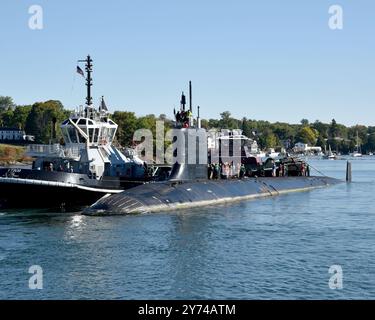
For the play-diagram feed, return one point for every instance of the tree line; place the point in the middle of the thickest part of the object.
(272, 135)
(36, 119)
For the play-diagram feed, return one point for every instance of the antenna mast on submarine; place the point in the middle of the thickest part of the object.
(183, 101)
(185, 117)
(190, 105)
(199, 124)
(190, 97)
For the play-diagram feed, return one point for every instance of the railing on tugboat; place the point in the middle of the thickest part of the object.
(56, 150)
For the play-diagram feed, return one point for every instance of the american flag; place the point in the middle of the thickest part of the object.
(80, 71)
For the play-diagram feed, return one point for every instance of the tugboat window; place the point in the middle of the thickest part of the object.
(65, 135)
(72, 135)
(104, 133)
(96, 135)
(112, 134)
(91, 134)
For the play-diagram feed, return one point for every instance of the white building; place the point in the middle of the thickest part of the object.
(13, 134)
(215, 136)
(300, 147)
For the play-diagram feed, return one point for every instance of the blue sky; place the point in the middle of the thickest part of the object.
(270, 60)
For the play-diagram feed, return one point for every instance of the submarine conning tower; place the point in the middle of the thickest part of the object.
(190, 144)
(190, 154)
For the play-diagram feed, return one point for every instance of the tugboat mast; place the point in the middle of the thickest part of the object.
(88, 65)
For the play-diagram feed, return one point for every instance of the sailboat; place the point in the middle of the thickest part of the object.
(357, 152)
(330, 155)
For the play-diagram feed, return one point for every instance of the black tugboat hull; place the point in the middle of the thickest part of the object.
(26, 188)
(39, 196)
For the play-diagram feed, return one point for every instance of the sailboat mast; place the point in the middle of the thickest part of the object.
(358, 142)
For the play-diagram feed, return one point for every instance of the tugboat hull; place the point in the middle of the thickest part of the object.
(25, 188)
(43, 196)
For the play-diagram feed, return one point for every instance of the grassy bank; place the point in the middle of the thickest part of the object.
(11, 154)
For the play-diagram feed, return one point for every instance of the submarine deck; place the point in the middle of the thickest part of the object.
(166, 196)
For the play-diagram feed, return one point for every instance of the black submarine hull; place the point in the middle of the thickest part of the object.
(169, 195)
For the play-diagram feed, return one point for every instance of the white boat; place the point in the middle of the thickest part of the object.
(356, 155)
(330, 155)
(357, 152)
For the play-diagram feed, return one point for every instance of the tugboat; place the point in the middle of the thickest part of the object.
(84, 169)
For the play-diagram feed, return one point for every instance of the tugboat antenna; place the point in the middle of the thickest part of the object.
(88, 62)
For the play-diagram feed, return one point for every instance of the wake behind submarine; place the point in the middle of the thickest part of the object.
(198, 184)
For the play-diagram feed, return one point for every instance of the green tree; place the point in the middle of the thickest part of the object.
(267, 139)
(284, 131)
(6, 103)
(322, 128)
(370, 145)
(321, 142)
(20, 116)
(40, 119)
(333, 129)
(308, 135)
(227, 122)
(213, 123)
(271, 141)
(6, 118)
(205, 124)
(127, 124)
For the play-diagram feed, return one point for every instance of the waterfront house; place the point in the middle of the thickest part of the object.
(14, 135)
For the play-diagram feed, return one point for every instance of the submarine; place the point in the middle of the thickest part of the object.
(193, 181)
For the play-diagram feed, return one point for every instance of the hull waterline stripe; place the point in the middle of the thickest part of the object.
(55, 184)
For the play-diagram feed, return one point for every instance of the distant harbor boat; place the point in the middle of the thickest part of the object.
(330, 155)
(357, 151)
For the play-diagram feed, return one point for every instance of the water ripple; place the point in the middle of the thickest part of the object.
(275, 248)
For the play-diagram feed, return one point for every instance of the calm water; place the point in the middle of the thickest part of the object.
(265, 249)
